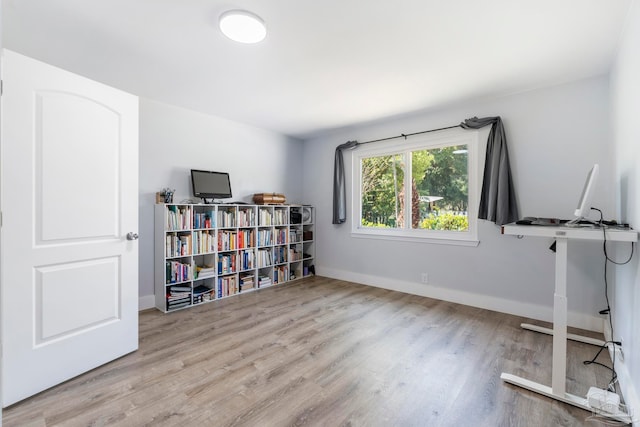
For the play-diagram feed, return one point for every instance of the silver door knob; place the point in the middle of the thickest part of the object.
(132, 236)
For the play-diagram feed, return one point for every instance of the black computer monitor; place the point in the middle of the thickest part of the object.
(210, 185)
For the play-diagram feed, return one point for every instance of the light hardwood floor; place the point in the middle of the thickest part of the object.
(321, 352)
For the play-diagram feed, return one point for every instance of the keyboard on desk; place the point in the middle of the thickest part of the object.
(530, 220)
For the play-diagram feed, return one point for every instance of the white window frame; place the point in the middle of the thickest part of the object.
(457, 136)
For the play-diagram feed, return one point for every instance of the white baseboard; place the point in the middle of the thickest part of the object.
(146, 301)
(627, 388)
(518, 308)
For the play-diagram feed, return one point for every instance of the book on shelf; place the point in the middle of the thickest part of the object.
(204, 220)
(199, 290)
(265, 217)
(264, 257)
(246, 239)
(246, 283)
(246, 217)
(227, 286)
(280, 217)
(280, 274)
(177, 272)
(178, 244)
(204, 242)
(227, 240)
(178, 217)
(294, 255)
(281, 236)
(226, 218)
(280, 255)
(247, 260)
(178, 301)
(179, 294)
(205, 271)
(226, 263)
(265, 237)
(177, 306)
(264, 281)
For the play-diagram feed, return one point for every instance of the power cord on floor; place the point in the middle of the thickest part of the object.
(614, 376)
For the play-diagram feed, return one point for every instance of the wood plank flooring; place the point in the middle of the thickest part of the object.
(321, 352)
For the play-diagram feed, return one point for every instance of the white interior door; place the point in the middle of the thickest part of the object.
(69, 274)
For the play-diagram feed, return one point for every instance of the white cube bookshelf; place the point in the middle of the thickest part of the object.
(207, 252)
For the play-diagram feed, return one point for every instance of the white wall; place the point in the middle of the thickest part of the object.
(1, 363)
(174, 140)
(625, 102)
(555, 135)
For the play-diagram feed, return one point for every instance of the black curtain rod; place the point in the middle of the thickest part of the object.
(403, 135)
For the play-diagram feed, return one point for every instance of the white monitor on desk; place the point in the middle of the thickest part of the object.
(584, 204)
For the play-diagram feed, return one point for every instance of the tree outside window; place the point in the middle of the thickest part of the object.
(424, 188)
(438, 191)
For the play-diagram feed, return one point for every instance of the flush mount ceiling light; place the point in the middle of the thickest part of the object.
(242, 26)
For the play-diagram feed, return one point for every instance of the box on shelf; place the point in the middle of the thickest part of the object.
(269, 199)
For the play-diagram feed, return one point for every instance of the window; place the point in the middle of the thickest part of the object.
(425, 187)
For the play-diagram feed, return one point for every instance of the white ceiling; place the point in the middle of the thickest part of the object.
(325, 64)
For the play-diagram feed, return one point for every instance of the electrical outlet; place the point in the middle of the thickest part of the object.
(424, 278)
(619, 353)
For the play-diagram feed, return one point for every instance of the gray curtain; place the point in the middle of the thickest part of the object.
(339, 190)
(498, 198)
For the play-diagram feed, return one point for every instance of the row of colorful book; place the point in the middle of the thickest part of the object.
(264, 258)
(205, 242)
(178, 298)
(204, 220)
(177, 272)
(227, 286)
(226, 218)
(232, 240)
(265, 217)
(178, 218)
(265, 237)
(279, 254)
(178, 244)
(280, 274)
(246, 218)
(226, 263)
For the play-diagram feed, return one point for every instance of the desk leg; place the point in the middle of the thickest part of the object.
(570, 399)
(572, 337)
(559, 361)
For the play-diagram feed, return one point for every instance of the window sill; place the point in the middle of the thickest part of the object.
(463, 241)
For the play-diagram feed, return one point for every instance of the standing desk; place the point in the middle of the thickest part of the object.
(559, 359)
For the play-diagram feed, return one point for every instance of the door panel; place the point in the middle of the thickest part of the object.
(59, 287)
(61, 142)
(69, 277)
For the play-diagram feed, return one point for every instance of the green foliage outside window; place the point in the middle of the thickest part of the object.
(445, 221)
(382, 183)
(439, 190)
